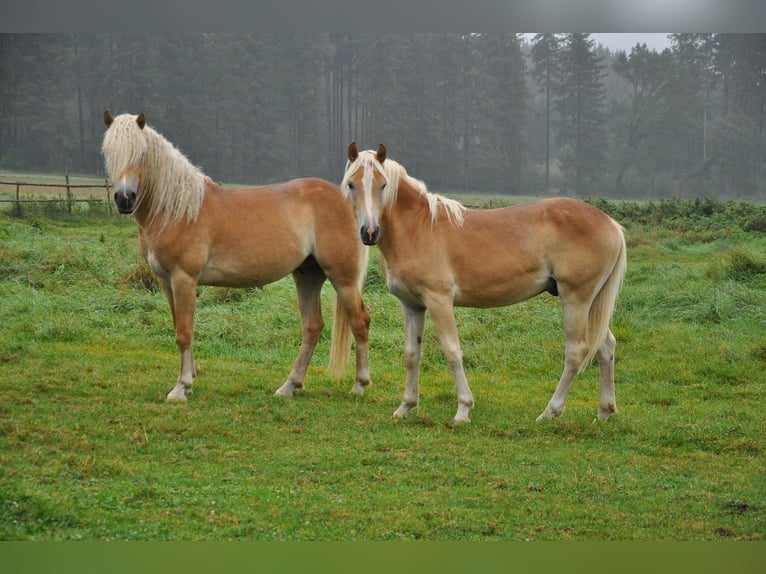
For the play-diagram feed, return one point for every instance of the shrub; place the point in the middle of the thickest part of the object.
(700, 215)
(742, 267)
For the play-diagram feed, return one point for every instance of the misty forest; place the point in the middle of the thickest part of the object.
(498, 113)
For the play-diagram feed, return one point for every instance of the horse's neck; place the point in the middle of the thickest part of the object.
(409, 211)
(170, 174)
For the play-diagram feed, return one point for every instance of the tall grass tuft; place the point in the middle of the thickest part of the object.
(140, 276)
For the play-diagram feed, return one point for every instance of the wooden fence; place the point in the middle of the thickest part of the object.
(70, 199)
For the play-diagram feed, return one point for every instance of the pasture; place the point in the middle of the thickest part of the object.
(89, 449)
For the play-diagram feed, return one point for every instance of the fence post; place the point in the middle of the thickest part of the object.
(68, 195)
(108, 199)
(18, 203)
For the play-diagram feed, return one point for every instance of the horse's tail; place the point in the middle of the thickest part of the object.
(341, 326)
(600, 314)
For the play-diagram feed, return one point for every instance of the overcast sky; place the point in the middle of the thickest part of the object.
(625, 42)
(619, 41)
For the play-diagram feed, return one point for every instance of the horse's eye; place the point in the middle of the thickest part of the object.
(383, 186)
(351, 186)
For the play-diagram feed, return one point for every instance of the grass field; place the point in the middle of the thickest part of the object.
(90, 450)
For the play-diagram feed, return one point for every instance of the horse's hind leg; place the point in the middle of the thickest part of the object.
(308, 283)
(443, 316)
(350, 299)
(575, 326)
(607, 402)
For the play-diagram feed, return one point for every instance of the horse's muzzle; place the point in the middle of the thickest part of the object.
(125, 202)
(370, 234)
(125, 197)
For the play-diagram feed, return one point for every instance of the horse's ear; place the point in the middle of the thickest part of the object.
(381, 155)
(108, 119)
(141, 120)
(353, 153)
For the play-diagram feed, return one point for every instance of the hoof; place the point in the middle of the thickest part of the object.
(178, 394)
(462, 414)
(358, 389)
(605, 413)
(603, 416)
(548, 413)
(402, 411)
(285, 390)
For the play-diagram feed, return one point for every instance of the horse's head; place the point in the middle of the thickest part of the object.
(124, 148)
(365, 181)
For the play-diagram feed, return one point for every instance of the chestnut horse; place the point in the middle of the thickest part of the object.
(194, 232)
(438, 254)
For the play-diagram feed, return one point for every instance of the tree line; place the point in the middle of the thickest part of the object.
(500, 113)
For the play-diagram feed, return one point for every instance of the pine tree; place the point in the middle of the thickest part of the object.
(580, 104)
(546, 69)
(697, 53)
(647, 74)
(737, 138)
(505, 111)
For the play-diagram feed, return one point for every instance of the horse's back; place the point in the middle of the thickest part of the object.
(556, 221)
(311, 189)
(292, 203)
(557, 209)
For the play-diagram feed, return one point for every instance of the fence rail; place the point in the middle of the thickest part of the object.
(70, 197)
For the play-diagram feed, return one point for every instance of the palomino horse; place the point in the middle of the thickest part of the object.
(438, 254)
(194, 232)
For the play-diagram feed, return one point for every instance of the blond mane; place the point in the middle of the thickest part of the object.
(172, 187)
(395, 173)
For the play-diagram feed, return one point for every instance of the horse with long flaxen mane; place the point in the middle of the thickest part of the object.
(438, 255)
(194, 232)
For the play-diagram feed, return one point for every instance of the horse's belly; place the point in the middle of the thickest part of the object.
(227, 273)
(499, 293)
(490, 299)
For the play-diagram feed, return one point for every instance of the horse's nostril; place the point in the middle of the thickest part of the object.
(370, 234)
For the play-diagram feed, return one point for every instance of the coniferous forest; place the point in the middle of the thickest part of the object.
(499, 113)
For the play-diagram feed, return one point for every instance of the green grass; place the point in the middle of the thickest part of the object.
(90, 450)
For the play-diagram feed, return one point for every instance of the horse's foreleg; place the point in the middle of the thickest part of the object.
(167, 288)
(575, 327)
(443, 315)
(607, 401)
(309, 287)
(414, 323)
(182, 298)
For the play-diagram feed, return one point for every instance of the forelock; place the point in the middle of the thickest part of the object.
(124, 144)
(366, 159)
